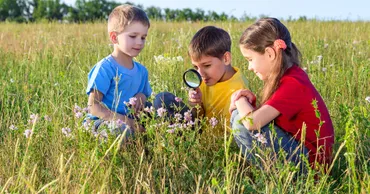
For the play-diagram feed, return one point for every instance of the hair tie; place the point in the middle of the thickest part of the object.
(279, 44)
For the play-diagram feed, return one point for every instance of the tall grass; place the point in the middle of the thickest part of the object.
(44, 72)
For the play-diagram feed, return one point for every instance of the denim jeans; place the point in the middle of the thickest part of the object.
(167, 100)
(275, 138)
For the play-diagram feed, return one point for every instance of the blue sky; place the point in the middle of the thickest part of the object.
(319, 9)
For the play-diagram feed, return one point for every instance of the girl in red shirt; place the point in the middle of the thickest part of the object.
(290, 103)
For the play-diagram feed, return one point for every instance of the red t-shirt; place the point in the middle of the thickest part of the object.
(293, 99)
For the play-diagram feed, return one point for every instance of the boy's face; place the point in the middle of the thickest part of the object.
(132, 39)
(211, 69)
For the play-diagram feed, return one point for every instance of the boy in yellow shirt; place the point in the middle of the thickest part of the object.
(210, 55)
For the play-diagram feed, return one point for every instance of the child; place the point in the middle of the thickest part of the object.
(117, 78)
(210, 55)
(287, 98)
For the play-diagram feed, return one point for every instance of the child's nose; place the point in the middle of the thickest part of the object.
(140, 41)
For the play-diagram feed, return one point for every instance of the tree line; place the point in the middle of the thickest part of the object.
(93, 10)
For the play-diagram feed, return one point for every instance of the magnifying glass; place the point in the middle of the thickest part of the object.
(192, 78)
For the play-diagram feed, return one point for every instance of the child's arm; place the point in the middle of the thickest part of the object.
(255, 119)
(239, 93)
(195, 101)
(98, 109)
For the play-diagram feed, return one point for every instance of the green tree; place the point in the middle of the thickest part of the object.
(49, 9)
(170, 15)
(13, 10)
(199, 15)
(91, 10)
(154, 13)
(185, 15)
(213, 16)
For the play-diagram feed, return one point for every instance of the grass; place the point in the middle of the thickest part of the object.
(44, 72)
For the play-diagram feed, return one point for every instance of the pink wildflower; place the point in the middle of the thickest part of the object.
(171, 131)
(213, 121)
(76, 108)
(188, 115)
(66, 131)
(47, 118)
(178, 116)
(161, 112)
(33, 118)
(12, 127)
(28, 133)
(260, 138)
(78, 115)
(132, 101)
(149, 110)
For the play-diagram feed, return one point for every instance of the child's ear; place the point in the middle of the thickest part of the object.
(113, 37)
(270, 52)
(227, 58)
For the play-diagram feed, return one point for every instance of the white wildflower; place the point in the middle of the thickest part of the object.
(368, 99)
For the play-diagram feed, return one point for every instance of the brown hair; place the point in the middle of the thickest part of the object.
(262, 34)
(124, 15)
(209, 41)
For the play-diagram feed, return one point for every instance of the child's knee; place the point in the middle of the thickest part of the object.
(163, 98)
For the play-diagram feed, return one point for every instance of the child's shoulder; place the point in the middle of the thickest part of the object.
(141, 67)
(105, 63)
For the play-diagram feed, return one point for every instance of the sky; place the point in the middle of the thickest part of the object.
(283, 9)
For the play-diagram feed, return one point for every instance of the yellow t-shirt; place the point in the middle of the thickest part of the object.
(216, 98)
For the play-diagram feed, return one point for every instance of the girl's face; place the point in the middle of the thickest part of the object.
(260, 64)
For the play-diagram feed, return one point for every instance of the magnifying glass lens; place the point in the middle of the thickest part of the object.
(192, 78)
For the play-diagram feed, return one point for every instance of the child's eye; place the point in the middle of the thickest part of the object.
(132, 36)
(143, 38)
(195, 67)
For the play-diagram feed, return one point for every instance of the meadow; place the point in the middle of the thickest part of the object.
(44, 147)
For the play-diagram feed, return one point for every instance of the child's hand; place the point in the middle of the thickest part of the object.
(242, 93)
(140, 102)
(135, 125)
(195, 97)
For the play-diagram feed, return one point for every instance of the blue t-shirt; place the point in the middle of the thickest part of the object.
(117, 83)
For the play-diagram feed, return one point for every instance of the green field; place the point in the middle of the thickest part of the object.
(44, 75)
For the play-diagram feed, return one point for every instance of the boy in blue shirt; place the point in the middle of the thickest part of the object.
(116, 79)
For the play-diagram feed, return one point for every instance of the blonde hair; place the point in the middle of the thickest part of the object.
(124, 15)
(263, 34)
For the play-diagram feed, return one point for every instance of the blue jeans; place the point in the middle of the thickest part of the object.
(167, 100)
(277, 139)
